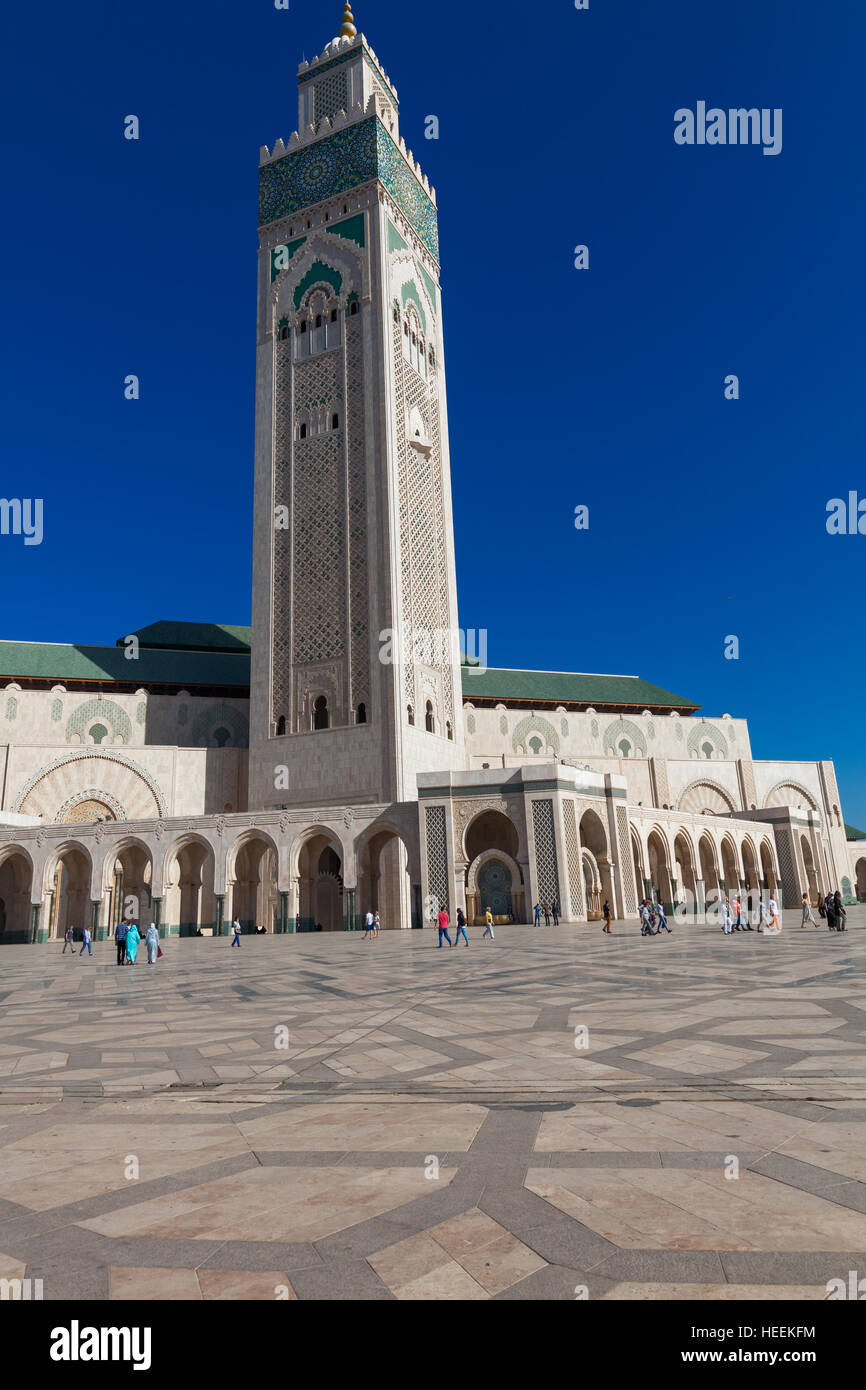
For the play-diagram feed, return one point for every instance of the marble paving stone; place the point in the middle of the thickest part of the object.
(308, 1174)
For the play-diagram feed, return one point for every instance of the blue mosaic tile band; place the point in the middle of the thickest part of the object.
(339, 163)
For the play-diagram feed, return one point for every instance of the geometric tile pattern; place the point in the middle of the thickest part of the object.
(682, 1118)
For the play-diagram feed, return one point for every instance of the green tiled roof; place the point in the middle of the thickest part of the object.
(851, 833)
(50, 661)
(569, 688)
(193, 637)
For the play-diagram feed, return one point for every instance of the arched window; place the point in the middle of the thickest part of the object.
(362, 714)
(450, 730)
(98, 733)
(303, 431)
(221, 737)
(410, 714)
(353, 307)
(318, 320)
(321, 718)
(303, 327)
(428, 718)
(405, 329)
(281, 726)
(284, 332)
(333, 316)
(335, 422)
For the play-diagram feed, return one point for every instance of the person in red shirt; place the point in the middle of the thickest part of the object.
(443, 928)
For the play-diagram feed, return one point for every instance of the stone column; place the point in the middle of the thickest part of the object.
(97, 932)
(33, 934)
(219, 910)
(417, 908)
(156, 909)
(349, 918)
(700, 897)
(283, 922)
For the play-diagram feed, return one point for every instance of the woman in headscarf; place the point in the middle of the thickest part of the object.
(133, 936)
(830, 907)
(841, 914)
(151, 941)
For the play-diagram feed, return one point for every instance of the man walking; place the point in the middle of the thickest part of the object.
(461, 928)
(85, 941)
(68, 940)
(443, 919)
(488, 925)
(662, 920)
(537, 914)
(737, 913)
(236, 929)
(120, 940)
(369, 924)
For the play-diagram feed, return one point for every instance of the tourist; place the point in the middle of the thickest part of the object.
(775, 919)
(841, 914)
(555, 910)
(461, 928)
(442, 919)
(151, 941)
(646, 921)
(236, 933)
(68, 940)
(808, 915)
(488, 925)
(377, 924)
(537, 911)
(662, 923)
(133, 937)
(726, 917)
(737, 913)
(85, 941)
(607, 917)
(368, 926)
(120, 940)
(763, 922)
(545, 907)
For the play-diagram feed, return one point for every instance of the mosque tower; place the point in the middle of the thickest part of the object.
(356, 668)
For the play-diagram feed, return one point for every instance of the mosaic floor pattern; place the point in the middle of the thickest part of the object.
(552, 1115)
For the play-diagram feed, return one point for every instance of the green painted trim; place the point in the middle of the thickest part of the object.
(353, 229)
(431, 288)
(291, 247)
(317, 271)
(410, 291)
(395, 241)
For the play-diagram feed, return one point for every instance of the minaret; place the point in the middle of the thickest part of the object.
(356, 672)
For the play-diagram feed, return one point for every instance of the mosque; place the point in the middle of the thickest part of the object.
(298, 773)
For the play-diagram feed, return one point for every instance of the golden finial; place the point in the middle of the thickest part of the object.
(348, 30)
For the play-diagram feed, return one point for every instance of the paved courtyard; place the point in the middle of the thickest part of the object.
(324, 1117)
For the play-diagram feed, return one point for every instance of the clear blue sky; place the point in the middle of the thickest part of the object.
(707, 517)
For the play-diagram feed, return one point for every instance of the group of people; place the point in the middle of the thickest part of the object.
(830, 907)
(733, 919)
(549, 910)
(652, 918)
(127, 939)
(443, 922)
(372, 925)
